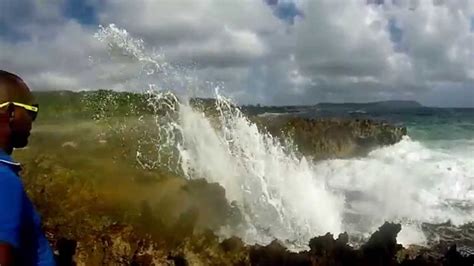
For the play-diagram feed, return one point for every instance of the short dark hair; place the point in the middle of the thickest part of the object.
(6, 74)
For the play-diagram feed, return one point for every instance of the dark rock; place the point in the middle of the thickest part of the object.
(178, 260)
(453, 258)
(382, 246)
(232, 244)
(325, 250)
(276, 254)
(121, 244)
(66, 250)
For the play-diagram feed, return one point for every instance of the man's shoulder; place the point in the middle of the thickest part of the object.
(6, 169)
(9, 178)
(8, 164)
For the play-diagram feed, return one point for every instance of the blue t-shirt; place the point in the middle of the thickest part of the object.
(20, 224)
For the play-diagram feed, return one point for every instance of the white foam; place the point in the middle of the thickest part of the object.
(411, 234)
(279, 194)
(406, 183)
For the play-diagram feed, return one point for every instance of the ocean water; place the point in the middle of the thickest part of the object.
(425, 178)
(428, 177)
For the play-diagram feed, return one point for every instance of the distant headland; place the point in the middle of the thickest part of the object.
(395, 104)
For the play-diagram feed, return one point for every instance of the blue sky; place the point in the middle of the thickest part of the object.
(268, 51)
(87, 13)
(82, 11)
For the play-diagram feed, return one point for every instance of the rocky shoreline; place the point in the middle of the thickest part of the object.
(98, 210)
(124, 245)
(87, 228)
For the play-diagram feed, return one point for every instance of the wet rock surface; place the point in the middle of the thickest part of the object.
(333, 138)
(122, 245)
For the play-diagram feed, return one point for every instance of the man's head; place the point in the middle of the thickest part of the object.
(15, 118)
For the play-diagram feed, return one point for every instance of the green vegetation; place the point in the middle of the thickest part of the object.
(57, 105)
(84, 177)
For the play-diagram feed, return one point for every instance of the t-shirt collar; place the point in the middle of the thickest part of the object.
(8, 160)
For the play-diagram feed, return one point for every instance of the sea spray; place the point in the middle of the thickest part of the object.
(276, 191)
(285, 196)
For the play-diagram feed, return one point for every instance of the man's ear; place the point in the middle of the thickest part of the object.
(5, 123)
(5, 118)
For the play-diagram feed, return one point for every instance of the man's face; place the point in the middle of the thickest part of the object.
(20, 120)
(20, 126)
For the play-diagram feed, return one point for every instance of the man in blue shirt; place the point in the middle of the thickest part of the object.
(22, 241)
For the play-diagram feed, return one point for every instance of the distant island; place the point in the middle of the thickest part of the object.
(397, 104)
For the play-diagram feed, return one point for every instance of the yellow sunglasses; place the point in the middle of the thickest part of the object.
(32, 109)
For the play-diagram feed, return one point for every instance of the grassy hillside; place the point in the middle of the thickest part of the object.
(90, 104)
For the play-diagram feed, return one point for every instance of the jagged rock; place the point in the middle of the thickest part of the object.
(382, 246)
(276, 254)
(333, 138)
(124, 245)
(327, 251)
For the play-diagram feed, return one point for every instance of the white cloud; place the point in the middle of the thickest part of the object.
(342, 38)
(209, 32)
(231, 47)
(60, 62)
(438, 41)
(346, 48)
(340, 50)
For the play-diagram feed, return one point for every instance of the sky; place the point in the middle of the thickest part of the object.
(272, 52)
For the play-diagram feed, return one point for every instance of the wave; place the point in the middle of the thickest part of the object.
(285, 196)
(277, 192)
